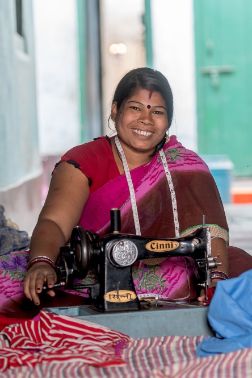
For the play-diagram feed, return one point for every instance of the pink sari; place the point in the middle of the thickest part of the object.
(196, 194)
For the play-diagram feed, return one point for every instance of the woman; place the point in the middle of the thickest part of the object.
(162, 189)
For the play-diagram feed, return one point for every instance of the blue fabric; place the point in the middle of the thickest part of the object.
(230, 316)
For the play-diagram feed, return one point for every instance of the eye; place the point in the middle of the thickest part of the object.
(134, 107)
(158, 112)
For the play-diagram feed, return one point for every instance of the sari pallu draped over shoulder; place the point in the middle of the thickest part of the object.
(197, 198)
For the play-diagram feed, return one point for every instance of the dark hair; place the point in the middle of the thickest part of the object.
(145, 78)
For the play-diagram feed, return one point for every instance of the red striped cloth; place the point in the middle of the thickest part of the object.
(157, 357)
(59, 339)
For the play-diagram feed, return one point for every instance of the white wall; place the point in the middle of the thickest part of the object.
(57, 74)
(121, 22)
(19, 158)
(173, 44)
(20, 166)
(55, 24)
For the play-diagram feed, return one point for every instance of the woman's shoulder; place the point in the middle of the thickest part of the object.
(181, 157)
(86, 156)
(95, 159)
(94, 147)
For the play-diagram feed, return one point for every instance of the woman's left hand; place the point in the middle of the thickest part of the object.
(205, 298)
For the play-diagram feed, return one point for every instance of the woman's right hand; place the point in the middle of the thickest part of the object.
(68, 192)
(39, 275)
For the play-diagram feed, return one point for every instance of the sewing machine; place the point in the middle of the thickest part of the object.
(113, 256)
(113, 297)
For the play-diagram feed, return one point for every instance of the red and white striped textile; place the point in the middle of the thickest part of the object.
(59, 339)
(157, 357)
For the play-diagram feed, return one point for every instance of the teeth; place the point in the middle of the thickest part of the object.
(142, 132)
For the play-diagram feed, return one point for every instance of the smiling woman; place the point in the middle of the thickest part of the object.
(161, 188)
(141, 123)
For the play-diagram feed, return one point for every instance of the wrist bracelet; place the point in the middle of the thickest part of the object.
(38, 259)
(218, 275)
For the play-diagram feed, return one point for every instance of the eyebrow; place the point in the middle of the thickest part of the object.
(154, 106)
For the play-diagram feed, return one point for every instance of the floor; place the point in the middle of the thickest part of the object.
(239, 213)
(239, 218)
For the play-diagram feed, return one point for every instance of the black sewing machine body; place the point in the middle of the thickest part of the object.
(113, 256)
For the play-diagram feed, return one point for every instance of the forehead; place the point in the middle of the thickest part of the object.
(146, 96)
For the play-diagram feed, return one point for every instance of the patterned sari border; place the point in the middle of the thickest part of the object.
(215, 230)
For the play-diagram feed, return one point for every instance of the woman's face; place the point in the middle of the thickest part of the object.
(141, 122)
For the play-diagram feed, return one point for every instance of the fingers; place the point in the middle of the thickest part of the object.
(202, 297)
(51, 293)
(205, 297)
(36, 278)
(51, 279)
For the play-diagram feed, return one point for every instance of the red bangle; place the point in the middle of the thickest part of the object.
(39, 259)
(218, 275)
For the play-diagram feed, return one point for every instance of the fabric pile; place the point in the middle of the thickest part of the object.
(13, 264)
(59, 339)
(11, 239)
(156, 357)
(12, 271)
(230, 316)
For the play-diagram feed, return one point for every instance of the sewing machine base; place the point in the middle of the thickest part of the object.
(166, 320)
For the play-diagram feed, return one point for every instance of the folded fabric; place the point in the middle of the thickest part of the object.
(59, 339)
(230, 316)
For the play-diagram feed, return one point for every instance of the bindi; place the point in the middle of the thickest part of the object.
(150, 95)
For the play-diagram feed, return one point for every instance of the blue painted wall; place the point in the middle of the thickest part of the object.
(19, 153)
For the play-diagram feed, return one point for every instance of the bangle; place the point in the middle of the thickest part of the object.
(218, 275)
(39, 259)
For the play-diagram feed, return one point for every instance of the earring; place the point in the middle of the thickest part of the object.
(167, 134)
(111, 130)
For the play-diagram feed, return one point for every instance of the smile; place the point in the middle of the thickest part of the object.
(142, 132)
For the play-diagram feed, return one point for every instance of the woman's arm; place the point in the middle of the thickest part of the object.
(219, 251)
(61, 212)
